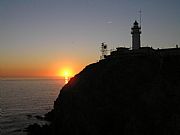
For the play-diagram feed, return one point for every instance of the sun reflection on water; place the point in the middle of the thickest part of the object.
(66, 73)
(66, 80)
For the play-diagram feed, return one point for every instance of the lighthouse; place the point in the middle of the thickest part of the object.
(136, 31)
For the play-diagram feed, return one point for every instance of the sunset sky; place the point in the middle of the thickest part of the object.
(44, 37)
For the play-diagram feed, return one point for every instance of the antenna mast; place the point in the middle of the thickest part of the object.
(103, 50)
(140, 18)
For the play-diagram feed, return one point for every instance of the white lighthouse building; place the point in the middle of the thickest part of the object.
(136, 40)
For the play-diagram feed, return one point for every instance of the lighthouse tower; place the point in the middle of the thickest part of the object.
(136, 31)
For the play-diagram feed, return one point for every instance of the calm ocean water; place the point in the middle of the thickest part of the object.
(23, 99)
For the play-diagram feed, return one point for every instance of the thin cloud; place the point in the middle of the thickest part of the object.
(109, 22)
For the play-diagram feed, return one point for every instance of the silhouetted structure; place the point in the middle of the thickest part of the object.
(131, 95)
(136, 31)
(103, 51)
(131, 92)
(137, 50)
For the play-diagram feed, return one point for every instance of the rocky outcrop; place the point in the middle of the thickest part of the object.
(132, 95)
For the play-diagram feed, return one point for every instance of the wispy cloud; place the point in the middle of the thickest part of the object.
(109, 22)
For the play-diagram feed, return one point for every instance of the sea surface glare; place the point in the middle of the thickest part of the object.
(23, 99)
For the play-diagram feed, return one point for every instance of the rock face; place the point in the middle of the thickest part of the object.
(132, 95)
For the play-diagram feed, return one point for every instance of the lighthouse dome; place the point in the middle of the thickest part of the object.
(135, 23)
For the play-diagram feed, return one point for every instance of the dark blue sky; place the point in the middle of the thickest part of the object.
(44, 32)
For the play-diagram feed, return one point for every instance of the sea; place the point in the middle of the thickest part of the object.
(22, 100)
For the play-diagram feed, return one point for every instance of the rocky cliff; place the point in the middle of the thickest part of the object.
(131, 95)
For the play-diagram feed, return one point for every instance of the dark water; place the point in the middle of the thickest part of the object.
(22, 99)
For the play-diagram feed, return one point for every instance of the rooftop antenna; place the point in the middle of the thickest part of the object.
(140, 18)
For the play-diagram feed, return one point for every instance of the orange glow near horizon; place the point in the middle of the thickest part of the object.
(54, 69)
(65, 72)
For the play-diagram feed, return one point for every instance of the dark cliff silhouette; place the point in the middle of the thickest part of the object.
(131, 95)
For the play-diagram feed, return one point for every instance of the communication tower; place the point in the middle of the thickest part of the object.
(103, 50)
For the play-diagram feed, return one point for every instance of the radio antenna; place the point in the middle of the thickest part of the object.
(140, 18)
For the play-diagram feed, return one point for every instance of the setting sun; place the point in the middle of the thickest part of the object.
(65, 73)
